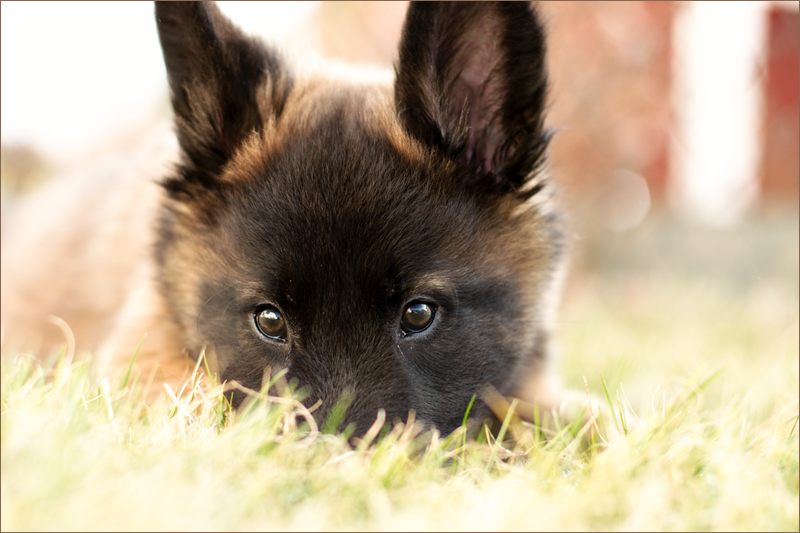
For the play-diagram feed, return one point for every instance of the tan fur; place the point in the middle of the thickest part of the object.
(84, 248)
(105, 287)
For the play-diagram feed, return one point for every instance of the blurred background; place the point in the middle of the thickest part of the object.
(676, 152)
(691, 106)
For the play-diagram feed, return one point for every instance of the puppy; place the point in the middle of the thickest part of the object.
(395, 242)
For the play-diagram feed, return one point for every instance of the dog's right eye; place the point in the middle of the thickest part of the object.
(417, 317)
(270, 323)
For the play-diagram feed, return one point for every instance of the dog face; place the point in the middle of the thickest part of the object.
(391, 243)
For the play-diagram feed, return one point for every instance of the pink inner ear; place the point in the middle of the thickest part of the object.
(477, 86)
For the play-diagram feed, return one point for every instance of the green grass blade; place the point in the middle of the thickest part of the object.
(337, 413)
(610, 403)
(130, 365)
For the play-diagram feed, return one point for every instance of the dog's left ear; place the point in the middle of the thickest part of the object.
(471, 81)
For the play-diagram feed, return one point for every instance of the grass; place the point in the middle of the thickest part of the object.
(707, 364)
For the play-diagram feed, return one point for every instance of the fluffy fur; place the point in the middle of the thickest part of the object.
(339, 204)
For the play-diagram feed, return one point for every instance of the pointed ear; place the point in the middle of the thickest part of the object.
(471, 81)
(224, 85)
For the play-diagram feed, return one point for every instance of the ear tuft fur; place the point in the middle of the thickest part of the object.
(471, 81)
(223, 85)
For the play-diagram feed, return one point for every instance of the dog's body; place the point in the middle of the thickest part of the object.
(393, 242)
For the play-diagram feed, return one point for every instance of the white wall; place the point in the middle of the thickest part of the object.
(719, 47)
(73, 73)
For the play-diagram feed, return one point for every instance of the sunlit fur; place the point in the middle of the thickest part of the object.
(340, 201)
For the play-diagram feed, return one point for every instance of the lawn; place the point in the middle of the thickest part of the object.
(695, 332)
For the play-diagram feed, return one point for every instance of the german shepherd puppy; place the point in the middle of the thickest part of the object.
(395, 242)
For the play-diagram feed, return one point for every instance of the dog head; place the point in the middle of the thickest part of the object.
(389, 242)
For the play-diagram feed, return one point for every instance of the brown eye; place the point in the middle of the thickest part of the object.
(417, 317)
(270, 323)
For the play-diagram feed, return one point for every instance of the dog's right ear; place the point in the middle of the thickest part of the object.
(224, 85)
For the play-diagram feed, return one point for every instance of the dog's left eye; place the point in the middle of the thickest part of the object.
(417, 317)
(270, 323)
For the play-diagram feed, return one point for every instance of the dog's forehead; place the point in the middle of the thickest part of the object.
(360, 211)
(330, 132)
(346, 203)
(343, 109)
(335, 186)
(337, 153)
